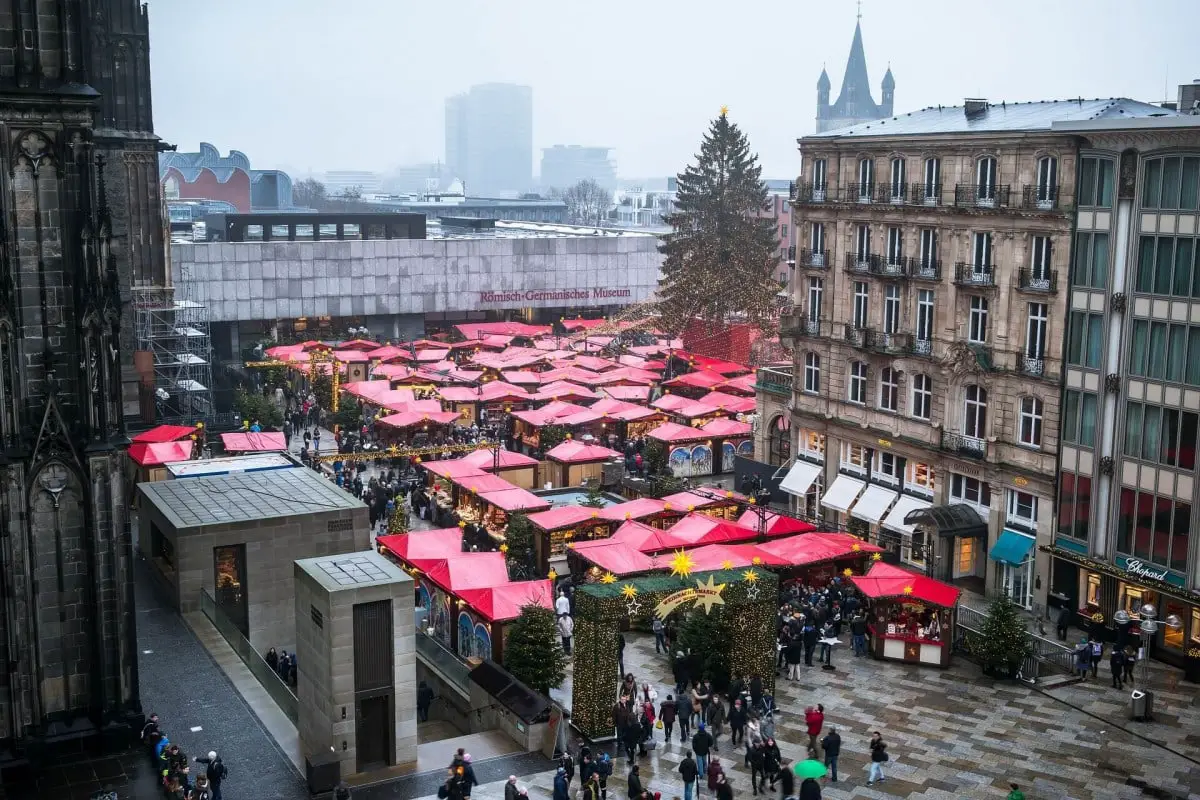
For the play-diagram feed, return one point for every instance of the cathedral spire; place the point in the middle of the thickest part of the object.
(856, 86)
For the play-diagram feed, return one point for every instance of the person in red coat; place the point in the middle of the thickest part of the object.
(814, 718)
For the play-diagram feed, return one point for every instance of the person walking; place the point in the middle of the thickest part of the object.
(758, 777)
(1063, 623)
(814, 719)
(660, 642)
(688, 772)
(793, 654)
(1083, 659)
(809, 790)
(621, 653)
(832, 745)
(424, 700)
(562, 786)
(683, 712)
(1116, 662)
(666, 714)
(591, 788)
(633, 784)
(1131, 659)
(1097, 656)
(716, 719)
(879, 755)
(566, 629)
(215, 771)
(702, 742)
(737, 723)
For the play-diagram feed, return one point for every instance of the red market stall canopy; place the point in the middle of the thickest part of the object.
(475, 330)
(691, 500)
(730, 402)
(367, 390)
(569, 373)
(630, 393)
(595, 363)
(469, 571)
(726, 427)
(482, 484)
(626, 375)
(502, 603)
(351, 356)
(743, 384)
(581, 324)
(777, 524)
(432, 355)
(887, 581)
(358, 344)
(393, 372)
(634, 509)
(697, 380)
(671, 433)
(565, 390)
(492, 392)
(153, 454)
(730, 556)
(408, 419)
(509, 459)
(643, 538)
(422, 549)
(813, 548)
(563, 517)
(387, 353)
(576, 452)
(515, 499)
(395, 402)
(717, 365)
(698, 529)
(521, 376)
(615, 557)
(453, 468)
(254, 442)
(164, 433)
(557, 413)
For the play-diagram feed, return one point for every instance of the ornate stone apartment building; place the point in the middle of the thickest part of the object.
(928, 333)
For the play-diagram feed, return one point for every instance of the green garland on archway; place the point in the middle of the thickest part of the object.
(750, 603)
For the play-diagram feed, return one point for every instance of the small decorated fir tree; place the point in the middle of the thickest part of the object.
(594, 498)
(518, 553)
(398, 522)
(706, 640)
(1002, 644)
(533, 649)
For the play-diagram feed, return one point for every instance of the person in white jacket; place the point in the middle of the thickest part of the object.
(566, 629)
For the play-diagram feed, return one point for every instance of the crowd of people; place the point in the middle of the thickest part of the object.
(175, 769)
(282, 664)
(809, 617)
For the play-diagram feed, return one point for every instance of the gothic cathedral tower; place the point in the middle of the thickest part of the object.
(80, 222)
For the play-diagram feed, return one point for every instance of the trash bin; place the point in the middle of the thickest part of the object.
(1141, 705)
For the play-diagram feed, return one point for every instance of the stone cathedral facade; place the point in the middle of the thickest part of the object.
(80, 223)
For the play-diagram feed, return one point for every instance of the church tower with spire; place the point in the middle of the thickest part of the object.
(80, 221)
(854, 103)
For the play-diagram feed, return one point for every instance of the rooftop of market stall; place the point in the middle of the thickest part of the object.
(253, 442)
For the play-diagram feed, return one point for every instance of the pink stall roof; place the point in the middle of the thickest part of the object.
(359, 344)
(717, 365)
(702, 379)
(576, 452)
(557, 413)
(703, 498)
(387, 353)
(254, 442)
(522, 377)
(582, 324)
(673, 432)
(366, 389)
(152, 454)
(516, 499)
(470, 571)
(615, 557)
(817, 547)
(432, 355)
(503, 603)
(482, 484)
(730, 402)
(742, 384)
(351, 356)
(886, 581)
(553, 391)
(452, 468)
(164, 433)
(777, 524)
(563, 517)
(641, 393)
(633, 510)
(422, 549)
(509, 459)
(642, 537)
(473, 330)
(716, 556)
(393, 371)
(407, 419)
(726, 427)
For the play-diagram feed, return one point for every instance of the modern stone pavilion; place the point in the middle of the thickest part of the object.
(356, 647)
(235, 536)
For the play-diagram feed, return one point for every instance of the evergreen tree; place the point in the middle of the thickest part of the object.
(707, 641)
(1002, 644)
(519, 554)
(594, 499)
(533, 649)
(720, 257)
(551, 436)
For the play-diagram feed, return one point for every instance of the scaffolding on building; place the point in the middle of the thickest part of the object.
(173, 333)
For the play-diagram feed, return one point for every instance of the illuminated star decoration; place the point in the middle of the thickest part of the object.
(682, 564)
(756, 561)
(727, 564)
(632, 604)
(551, 575)
(908, 590)
(629, 591)
(847, 572)
(608, 577)
(711, 595)
(876, 556)
(855, 547)
(724, 111)
(751, 578)
(503, 548)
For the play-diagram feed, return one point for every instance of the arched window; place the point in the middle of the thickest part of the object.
(812, 372)
(975, 412)
(889, 389)
(779, 441)
(1031, 422)
(171, 188)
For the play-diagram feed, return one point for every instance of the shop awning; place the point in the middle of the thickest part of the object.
(423, 549)
(874, 503)
(500, 603)
(888, 581)
(470, 571)
(894, 521)
(253, 442)
(842, 493)
(800, 478)
(959, 519)
(1012, 547)
(153, 454)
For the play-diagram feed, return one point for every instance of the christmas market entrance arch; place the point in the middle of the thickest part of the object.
(748, 597)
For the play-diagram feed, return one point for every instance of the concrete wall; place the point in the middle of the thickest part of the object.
(271, 546)
(281, 280)
(325, 683)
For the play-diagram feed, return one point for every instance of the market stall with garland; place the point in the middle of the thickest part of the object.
(910, 617)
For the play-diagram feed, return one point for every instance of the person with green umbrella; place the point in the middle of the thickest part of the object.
(1016, 793)
(810, 790)
(809, 768)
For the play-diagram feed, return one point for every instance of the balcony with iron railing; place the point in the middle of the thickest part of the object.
(1042, 280)
(809, 193)
(967, 274)
(969, 446)
(813, 259)
(860, 262)
(859, 192)
(890, 266)
(798, 324)
(1034, 366)
(921, 347)
(791, 254)
(982, 195)
(775, 381)
(925, 269)
(856, 337)
(925, 194)
(894, 193)
(895, 343)
(1040, 198)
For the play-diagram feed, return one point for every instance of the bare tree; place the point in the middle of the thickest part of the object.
(587, 202)
(309, 193)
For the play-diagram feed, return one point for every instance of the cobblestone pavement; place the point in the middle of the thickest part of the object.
(951, 733)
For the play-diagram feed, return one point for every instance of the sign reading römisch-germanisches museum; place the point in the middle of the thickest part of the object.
(537, 295)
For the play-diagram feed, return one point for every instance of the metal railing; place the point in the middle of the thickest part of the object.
(791, 254)
(926, 194)
(970, 446)
(1039, 198)
(1032, 366)
(967, 274)
(889, 342)
(815, 259)
(861, 262)
(921, 347)
(1045, 656)
(856, 337)
(859, 192)
(799, 325)
(890, 266)
(892, 193)
(438, 657)
(982, 195)
(1045, 280)
(809, 193)
(925, 269)
(774, 380)
(280, 692)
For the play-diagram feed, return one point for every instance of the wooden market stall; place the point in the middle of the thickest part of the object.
(556, 528)
(911, 616)
(588, 561)
(689, 451)
(487, 402)
(439, 588)
(502, 504)
(422, 549)
(527, 425)
(151, 458)
(488, 610)
(649, 510)
(719, 503)
(575, 463)
(403, 426)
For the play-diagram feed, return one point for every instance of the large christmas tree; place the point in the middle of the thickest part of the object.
(533, 649)
(720, 259)
(1002, 645)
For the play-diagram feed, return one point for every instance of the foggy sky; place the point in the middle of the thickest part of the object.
(360, 84)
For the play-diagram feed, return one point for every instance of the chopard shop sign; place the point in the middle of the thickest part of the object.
(1131, 569)
(1135, 566)
(541, 295)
